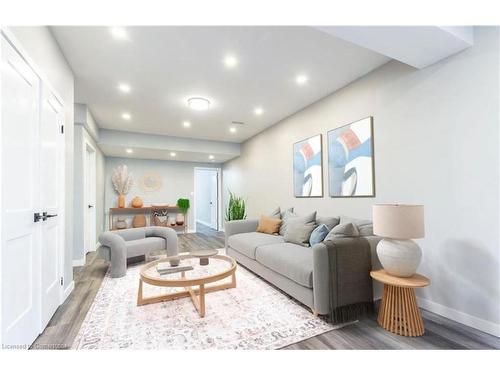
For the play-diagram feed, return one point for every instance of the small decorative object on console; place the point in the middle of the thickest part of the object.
(121, 223)
(137, 202)
(399, 223)
(122, 181)
(139, 221)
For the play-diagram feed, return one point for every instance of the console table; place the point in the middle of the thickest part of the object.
(146, 210)
(398, 312)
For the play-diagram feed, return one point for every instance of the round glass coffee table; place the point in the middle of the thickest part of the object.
(193, 282)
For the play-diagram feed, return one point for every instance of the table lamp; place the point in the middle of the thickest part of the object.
(399, 224)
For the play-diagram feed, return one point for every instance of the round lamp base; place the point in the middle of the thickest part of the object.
(399, 257)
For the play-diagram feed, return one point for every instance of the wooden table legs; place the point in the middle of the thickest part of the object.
(399, 311)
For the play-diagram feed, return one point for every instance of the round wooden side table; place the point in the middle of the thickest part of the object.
(399, 311)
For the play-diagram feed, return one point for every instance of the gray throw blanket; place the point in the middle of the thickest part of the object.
(351, 293)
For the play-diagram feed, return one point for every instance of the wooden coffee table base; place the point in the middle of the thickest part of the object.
(197, 294)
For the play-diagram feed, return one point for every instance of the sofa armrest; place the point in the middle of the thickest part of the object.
(117, 251)
(321, 278)
(170, 236)
(239, 226)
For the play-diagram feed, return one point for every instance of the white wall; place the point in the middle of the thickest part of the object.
(436, 134)
(204, 185)
(42, 48)
(177, 182)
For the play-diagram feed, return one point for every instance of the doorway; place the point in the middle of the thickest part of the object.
(207, 197)
(89, 198)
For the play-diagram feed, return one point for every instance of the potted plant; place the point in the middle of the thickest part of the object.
(122, 181)
(183, 205)
(236, 209)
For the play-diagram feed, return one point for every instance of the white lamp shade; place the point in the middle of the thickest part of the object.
(398, 221)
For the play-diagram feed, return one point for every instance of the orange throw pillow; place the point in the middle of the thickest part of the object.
(269, 225)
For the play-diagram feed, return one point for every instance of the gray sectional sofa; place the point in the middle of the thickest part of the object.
(331, 277)
(118, 246)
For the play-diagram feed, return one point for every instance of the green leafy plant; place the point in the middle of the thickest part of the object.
(235, 208)
(183, 205)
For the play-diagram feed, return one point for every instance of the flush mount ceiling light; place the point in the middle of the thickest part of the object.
(258, 111)
(186, 124)
(301, 79)
(173, 154)
(126, 116)
(129, 150)
(123, 87)
(119, 33)
(198, 104)
(230, 61)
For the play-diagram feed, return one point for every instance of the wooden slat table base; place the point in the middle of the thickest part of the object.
(399, 311)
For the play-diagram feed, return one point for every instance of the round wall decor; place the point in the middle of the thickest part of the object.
(150, 182)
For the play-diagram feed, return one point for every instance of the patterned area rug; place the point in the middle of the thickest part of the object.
(254, 315)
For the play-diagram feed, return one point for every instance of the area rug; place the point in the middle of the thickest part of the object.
(254, 315)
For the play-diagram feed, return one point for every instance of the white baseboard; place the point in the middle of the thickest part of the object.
(68, 291)
(78, 262)
(204, 223)
(460, 317)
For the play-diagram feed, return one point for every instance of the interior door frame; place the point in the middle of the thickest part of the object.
(87, 145)
(44, 82)
(219, 195)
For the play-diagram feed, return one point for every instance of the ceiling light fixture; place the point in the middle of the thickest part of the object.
(211, 157)
(301, 79)
(186, 124)
(119, 33)
(123, 87)
(258, 111)
(232, 129)
(126, 116)
(230, 61)
(198, 104)
(173, 154)
(129, 151)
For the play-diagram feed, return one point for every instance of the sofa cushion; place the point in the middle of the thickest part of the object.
(365, 227)
(132, 234)
(299, 233)
(268, 225)
(290, 260)
(343, 230)
(319, 234)
(329, 221)
(276, 214)
(292, 216)
(144, 245)
(246, 243)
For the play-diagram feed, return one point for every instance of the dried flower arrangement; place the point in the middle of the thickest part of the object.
(122, 180)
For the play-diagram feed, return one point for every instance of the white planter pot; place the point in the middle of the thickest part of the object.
(399, 257)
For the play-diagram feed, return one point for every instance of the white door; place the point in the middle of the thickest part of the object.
(20, 250)
(214, 200)
(89, 199)
(51, 147)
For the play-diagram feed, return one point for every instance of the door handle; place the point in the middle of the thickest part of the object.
(37, 217)
(90, 206)
(46, 216)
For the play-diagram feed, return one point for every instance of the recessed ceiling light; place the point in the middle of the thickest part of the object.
(126, 116)
(230, 61)
(301, 79)
(173, 154)
(129, 150)
(211, 157)
(232, 129)
(258, 111)
(119, 33)
(198, 104)
(186, 124)
(123, 87)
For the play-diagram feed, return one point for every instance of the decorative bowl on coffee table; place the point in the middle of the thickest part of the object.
(204, 255)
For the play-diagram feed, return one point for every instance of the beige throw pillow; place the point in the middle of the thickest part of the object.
(268, 225)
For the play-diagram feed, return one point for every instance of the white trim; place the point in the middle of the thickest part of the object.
(219, 197)
(78, 262)
(460, 317)
(67, 291)
(204, 223)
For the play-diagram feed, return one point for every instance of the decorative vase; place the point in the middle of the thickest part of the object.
(399, 257)
(121, 201)
(179, 219)
(121, 223)
(172, 221)
(139, 221)
(137, 202)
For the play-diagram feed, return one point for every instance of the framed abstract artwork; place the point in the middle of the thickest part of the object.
(351, 161)
(308, 167)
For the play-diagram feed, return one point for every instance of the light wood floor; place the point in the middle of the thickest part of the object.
(440, 333)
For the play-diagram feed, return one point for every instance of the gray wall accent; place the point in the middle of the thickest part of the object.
(436, 134)
(177, 182)
(41, 46)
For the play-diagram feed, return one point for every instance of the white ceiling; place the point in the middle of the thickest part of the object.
(166, 65)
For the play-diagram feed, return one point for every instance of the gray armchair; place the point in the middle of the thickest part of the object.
(118, 246)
